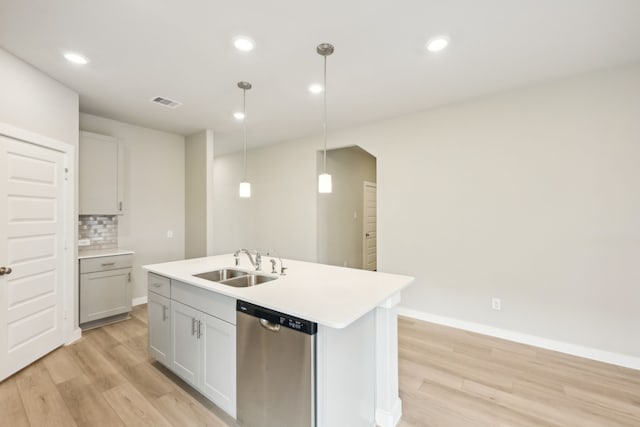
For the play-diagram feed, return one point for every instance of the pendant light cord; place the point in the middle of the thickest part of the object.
(324, 126)
(244, 132)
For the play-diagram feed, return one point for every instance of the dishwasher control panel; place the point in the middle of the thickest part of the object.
(285, 320)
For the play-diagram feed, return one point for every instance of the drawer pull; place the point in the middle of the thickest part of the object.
(107, 264)
(157, 285)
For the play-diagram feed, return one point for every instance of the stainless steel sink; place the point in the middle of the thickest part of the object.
(222, 274)
(248, 280)
(235, 278)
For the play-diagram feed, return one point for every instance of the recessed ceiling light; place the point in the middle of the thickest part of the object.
(76, 58)
(238, 115)
(315, 88)
(244, 44)
(437, 44)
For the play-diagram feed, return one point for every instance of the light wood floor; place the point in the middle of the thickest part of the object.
(448, 377)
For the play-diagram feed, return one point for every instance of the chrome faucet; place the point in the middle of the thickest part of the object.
(273, 263)
(256, 264)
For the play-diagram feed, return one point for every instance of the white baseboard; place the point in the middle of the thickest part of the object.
(139, 300)
(549, 344)
(75, 335)
(389, 418)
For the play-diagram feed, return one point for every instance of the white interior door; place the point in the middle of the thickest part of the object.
(31, 245)
(369, 221)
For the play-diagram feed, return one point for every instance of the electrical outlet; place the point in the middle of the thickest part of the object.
(170, 234)
(496, 303)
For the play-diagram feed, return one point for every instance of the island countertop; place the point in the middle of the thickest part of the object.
(329, 295)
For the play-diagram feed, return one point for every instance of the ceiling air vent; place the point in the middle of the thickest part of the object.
(166, 102)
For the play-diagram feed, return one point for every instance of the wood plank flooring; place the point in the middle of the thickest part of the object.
(448, 377)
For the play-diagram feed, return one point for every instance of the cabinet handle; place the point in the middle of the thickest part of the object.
(107, 264)
(120, 206)
(129, 277)
(199, 329)
(193, 326)
(164, 313)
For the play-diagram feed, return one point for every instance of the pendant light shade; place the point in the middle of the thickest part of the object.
(324, 183)
(245, 190)
(324, 179)
(245, 186)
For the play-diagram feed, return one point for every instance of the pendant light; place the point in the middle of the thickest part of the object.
(324, 179)
(245, 186)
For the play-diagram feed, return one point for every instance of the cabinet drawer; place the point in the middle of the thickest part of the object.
(159, 285)
(215, 304)
(90, 265)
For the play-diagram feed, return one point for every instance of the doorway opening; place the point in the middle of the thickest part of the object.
(347, 217)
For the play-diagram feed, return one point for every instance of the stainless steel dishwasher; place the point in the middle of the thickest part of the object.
(276, 365)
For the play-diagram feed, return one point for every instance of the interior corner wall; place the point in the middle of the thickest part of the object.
(154, 194)
(530, 196)
(341, 213)
(198, 156)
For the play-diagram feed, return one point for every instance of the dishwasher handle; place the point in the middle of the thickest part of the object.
(270, 326)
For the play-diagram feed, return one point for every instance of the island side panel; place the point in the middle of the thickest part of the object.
(345, 374)
(388, 403)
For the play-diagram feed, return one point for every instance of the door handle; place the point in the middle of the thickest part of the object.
(5, 270)
(270, 326)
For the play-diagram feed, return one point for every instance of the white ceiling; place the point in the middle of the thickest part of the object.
(183, 50)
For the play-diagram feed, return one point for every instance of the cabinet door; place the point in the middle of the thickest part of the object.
(218, 375)
(101, 178)
(185, 351)
(158, 312)
(104, 294)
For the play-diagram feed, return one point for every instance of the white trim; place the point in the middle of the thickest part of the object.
(139, 300)
(519, 337)
(73, 337)
(389, 418)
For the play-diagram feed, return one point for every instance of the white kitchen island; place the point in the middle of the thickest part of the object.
(357, 342)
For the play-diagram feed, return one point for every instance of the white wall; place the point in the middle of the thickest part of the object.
(198, 184)
(35, 102)
(281, 213)
(531, 196)
(154, 194)
(340, 213)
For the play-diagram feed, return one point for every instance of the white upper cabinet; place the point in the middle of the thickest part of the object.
(101, 175)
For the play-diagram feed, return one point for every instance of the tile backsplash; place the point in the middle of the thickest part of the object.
(100, 229)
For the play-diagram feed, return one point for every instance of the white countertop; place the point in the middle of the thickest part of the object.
(329, 295)
(95, 253)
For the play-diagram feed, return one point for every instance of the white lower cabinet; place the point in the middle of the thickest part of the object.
(201, 347)
(218, 350)
(185, 344)
(158, 310)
